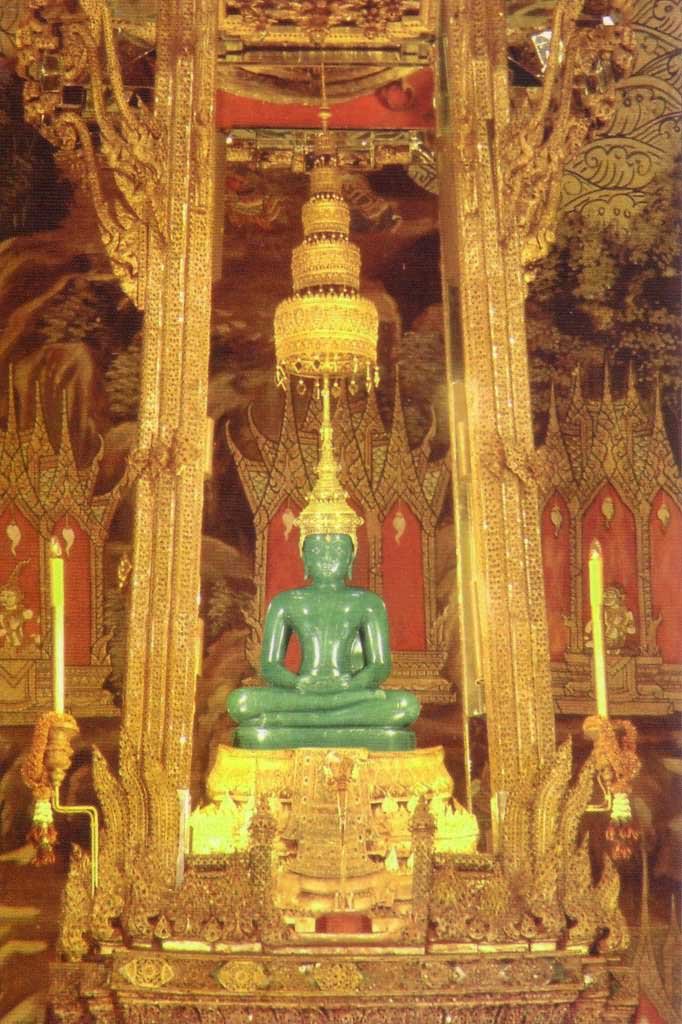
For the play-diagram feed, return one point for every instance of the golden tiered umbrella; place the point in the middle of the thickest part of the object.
(326, 330)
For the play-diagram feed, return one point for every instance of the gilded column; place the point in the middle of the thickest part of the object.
(490, 395)
(160, 680)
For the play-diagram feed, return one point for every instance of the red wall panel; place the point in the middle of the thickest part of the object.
(77, 590)
(404, 578)
(284, 568)
(619, 548)
(666, 575)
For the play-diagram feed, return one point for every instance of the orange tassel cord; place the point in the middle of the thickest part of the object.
(43, 834)
(617, 763)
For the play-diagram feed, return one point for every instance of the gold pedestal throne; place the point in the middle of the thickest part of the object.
(344, 848)
(387, 915)
(324, 886)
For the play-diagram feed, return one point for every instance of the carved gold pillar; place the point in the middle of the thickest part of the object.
(160, 679)
(502, 584)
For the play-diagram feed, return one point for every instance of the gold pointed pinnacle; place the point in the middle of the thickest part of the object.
(327, 511)
(325, 111)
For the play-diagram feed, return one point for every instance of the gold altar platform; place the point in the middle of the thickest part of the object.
(344, 847)
(365, 935)
(333, 987)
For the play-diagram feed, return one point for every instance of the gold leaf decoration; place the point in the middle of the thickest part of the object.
(147, 972)
(242, 976)
(338, 977)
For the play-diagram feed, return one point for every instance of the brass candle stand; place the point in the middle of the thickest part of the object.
(57, 760)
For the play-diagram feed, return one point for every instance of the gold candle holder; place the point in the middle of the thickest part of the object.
(58, 757)
(59, 751)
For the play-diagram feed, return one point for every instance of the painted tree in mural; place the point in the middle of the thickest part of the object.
(612, 289)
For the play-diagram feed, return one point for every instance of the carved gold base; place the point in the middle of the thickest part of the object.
(343, 842)
(402, 774)
(343, 846)
(139, 986)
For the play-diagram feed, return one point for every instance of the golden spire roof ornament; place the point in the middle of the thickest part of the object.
(326, 329)
(327, 510)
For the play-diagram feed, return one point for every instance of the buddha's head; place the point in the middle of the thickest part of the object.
(328, 557)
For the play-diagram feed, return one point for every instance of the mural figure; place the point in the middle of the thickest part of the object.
(619, 622)
(247, 204)
(13, 613)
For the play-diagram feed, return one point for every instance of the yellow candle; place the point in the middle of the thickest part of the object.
(56, 561)
(596, 577)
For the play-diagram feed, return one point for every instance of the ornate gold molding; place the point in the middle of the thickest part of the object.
(169, 459)
(502, 592)
(348, 23)
(58, 53)
(161, 457)
(549, 126)
(550, 989)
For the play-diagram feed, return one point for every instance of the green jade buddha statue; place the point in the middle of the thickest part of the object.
(335, 699)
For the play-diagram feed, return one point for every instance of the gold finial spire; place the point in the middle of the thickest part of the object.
(325, 110)
(327, 509)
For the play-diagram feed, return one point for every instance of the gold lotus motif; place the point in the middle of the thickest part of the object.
(338, 977)
(147, 972)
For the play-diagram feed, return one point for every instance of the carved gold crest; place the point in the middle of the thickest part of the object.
(147, 972)
(242, 976)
